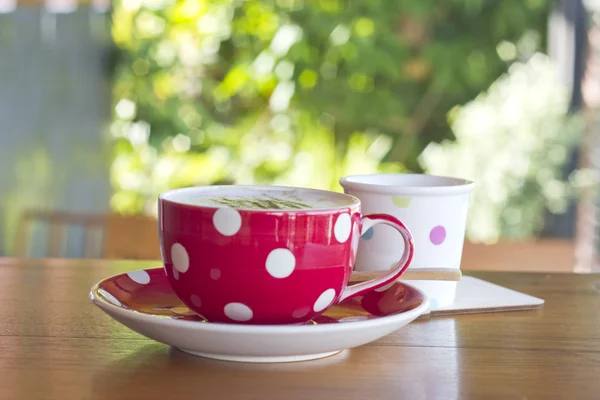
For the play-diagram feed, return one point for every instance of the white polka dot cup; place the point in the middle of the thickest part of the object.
(434, 208)
(258, 262)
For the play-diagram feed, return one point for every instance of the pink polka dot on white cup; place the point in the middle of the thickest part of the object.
(437, 235)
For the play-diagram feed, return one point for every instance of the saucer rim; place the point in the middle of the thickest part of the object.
(106, 306)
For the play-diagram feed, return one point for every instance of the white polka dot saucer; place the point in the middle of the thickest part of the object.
(145, 302)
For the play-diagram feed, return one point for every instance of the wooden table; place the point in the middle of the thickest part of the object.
(54, 344)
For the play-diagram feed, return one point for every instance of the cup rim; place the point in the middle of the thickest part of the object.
(352, 200)
(444, 184)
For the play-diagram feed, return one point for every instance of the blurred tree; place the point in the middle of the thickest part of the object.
(513, 140)
(297, 92)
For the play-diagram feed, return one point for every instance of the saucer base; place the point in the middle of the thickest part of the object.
(261, 359)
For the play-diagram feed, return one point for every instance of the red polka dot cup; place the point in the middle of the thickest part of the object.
(267, 255)
(434, 208)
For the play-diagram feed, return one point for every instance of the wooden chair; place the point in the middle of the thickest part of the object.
(107, 235)
(136, 237)
(131, 237)
(56, 223)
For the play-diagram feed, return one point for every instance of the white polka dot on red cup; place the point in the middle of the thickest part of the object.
(180, 257)
(301, 312)
(141, 277)
(280, 263)
(238, 312)
(175, 274)
(324, 300)
(215, 274)
(196, 300)
(342, 227)
(227, 221)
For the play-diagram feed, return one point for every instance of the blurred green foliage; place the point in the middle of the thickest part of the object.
(297, 92)
(514, 140)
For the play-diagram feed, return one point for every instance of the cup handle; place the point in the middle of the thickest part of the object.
(369, 221)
